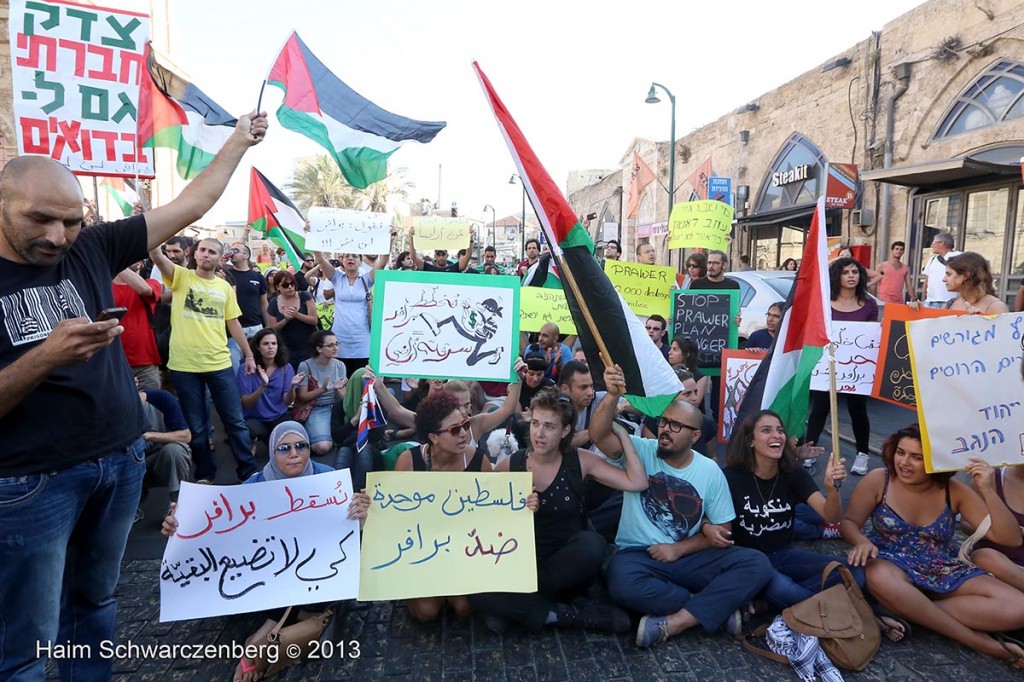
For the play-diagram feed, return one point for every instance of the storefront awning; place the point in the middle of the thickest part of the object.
(799, 214)
(933, 173)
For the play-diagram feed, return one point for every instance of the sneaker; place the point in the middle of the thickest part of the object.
(809, 462)
(652, 630)
(830, 531)
(860, 465)
(590, 616)
(734, 625)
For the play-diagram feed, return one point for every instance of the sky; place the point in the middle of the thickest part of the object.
(574, 74)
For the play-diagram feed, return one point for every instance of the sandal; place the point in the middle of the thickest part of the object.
(1017, 662)
(892, 632)
(246, 666)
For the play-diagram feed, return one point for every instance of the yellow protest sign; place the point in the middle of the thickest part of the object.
(432, 534)
(540, 305)
(644, 287)
(435, 233)
(700, 224)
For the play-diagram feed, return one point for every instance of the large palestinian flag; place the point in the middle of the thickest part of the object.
(359, 135)
(177, 115)
(650, 382)
(272, 213)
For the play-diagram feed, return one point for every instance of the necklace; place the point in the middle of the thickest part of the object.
(757, 484)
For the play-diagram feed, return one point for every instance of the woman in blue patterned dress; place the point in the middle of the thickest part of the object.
(910, 554)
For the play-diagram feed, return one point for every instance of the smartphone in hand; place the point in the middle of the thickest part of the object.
(111, 313)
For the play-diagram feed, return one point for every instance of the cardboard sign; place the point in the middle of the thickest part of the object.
(342, 230)
(894, 382)
(856, 352)
(434, 233)
(708, 318)
(75, 74)
(700, 224)
(970, 397)
(540, 305)
(433, 534)
(738, 368)
(242, 548)
(645, 288)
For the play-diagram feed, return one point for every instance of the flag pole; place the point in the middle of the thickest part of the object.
(833, 400)
(605, 355)
(259, 100)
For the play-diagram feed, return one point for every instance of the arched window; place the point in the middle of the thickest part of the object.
(795, 178)
(996, 96)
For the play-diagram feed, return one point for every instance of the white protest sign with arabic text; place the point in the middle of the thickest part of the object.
(343, 230)
(263, 545)
(856, 348)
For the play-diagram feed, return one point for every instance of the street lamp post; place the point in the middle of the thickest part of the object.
(494, 220)
(652, 98)
(522, 231)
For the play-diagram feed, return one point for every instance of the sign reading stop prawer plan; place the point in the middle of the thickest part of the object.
(342, 230)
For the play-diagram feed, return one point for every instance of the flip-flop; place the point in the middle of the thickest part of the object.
(882, 612)
(1015, 663)
(246, 668)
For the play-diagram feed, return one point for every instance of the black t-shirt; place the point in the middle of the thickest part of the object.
(526, 393)
(88, 409)
(250, 285)
(705, 283)
(296, 333)
(765, 509)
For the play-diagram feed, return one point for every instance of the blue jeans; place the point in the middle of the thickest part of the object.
(62, 536)
(358, 464)
(797, 576)
(807, 525)
(191, 388)
(710, 584)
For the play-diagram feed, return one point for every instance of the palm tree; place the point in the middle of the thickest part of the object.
(320, 183)
(377, 195)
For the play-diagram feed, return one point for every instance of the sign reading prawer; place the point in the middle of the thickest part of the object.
(970, 397)
(439, 534)
(342, 230)
(250, 547)
(444, 325)
(700, 224)
(76, 71)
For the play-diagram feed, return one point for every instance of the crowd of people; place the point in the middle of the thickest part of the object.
(633, 515)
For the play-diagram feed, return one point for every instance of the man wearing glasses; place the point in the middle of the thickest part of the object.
(935, 293)
(656, 325)
(676, 561)
(718, 265)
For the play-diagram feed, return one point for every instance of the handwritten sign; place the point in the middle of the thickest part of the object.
(440, 233)
(76, 73)
(707, 318)
(970, 397)
(250, 547)
(444, 325)
(342, 230)
(540, 305)
(738, 368)
(894, 382)
(437, 534)
(645, 288)
(700, 224)
(856, 349)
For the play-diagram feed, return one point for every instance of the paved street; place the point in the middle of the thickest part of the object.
(393, 647)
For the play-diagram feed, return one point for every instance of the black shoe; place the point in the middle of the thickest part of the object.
(498, 626)
(592, 617)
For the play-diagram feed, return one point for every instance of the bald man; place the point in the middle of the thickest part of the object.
(72, 458)
(555, 353)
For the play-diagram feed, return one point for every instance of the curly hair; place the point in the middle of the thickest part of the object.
(974, 268)
(433, 410)
(552, 400)
(913, 431)
(740, 454)
(280, 360)
(835, 270)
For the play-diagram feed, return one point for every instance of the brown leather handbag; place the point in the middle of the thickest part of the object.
(841, 619)
(306, 633)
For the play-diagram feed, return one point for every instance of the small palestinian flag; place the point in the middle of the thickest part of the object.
(272, 213)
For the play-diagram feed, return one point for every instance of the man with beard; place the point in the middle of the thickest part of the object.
(676, 561)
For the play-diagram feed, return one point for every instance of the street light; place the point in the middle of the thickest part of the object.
(522, 227)
(494, 238)
(652, 98)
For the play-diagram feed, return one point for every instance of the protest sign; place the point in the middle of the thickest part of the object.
(540, 305)
(435, 233)
(970, 397)
(856, 351)
(437, 534)
(738, 367)
(444, 325)
(700, 224)
(894, 381)
(75, 74)
(242, 548)
(342, 230)
(645, 288)
(708, 319)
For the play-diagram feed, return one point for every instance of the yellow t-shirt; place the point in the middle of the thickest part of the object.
(200, 309)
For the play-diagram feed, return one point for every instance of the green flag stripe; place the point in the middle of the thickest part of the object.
(793, 398)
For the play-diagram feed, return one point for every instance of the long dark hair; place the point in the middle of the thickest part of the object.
(740, 454)
(280, 360)
(552, 400)
(913, 431)
(836, 269)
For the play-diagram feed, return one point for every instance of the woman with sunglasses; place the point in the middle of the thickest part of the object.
(268, 392)
(289, 458)
(294, 315)
(327, 381)
(569, 556)
(696, 267)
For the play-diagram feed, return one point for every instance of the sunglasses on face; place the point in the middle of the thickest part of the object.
(674, 426)
(283, 449)
(455, 429)
(692, 266)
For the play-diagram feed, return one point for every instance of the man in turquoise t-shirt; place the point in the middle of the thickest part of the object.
(676, 561)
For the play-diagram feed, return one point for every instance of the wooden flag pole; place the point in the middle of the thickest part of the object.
(833, 400)
(567, 274)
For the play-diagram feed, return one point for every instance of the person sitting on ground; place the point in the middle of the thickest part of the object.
(325, 384)
(683, 353)
(675, 562)
(268, 392)
(289, 458)
(1003, 561)
(568, 556)
(168, 456)
(705, 445)
(911, 554)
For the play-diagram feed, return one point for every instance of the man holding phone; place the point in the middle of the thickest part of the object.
(70, 493)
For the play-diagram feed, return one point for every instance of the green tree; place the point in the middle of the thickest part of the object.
(320, 183)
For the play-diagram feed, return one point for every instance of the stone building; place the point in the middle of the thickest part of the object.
(930, 109)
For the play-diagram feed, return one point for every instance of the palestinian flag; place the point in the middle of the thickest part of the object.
(272, 213)
(543, 273)
(175, 114)
(782, 382)
(650, 382)
(120, 193)
(357, 133)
